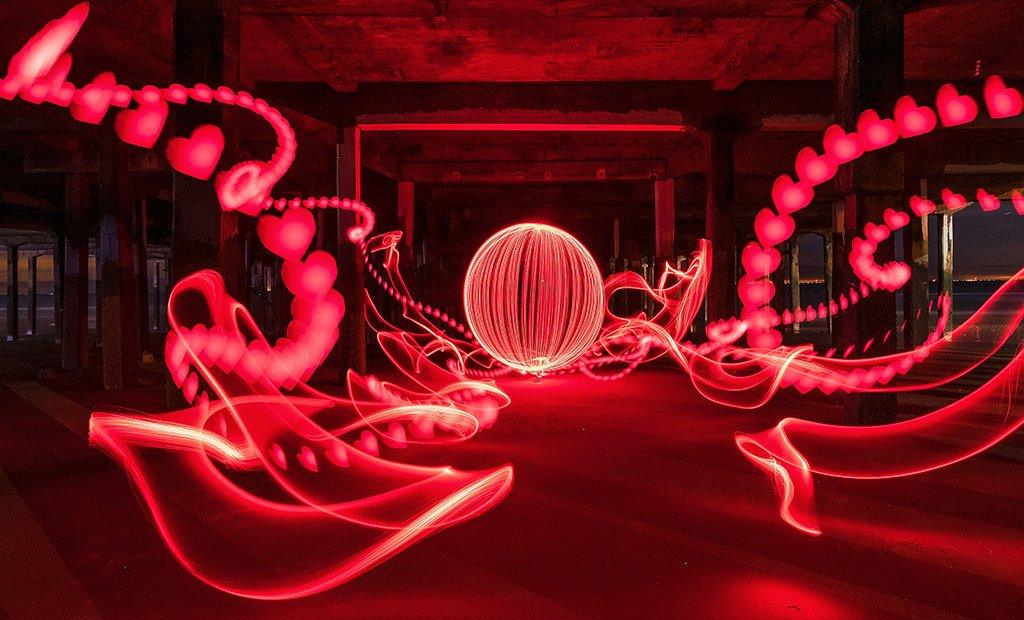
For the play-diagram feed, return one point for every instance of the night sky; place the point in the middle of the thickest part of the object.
(984, 244)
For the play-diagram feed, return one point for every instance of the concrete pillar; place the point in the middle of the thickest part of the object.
(33, 294)
(12, 293)
(869, 75)
(664, 223)
(915, 294)
(718, 222)
(351, 275)
(75, 279)
(794, 277)
(116, 266)
(946, 258)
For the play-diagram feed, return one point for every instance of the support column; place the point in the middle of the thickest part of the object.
(203, 236)
(794, 277)
(718, 224)
(33, 294)
(12, 293)
(829, 289)
(616, 242)
(407, 215)
(142, 271)
(75, 280)
(915, 294)
(946, 258)
(869, 74)
(116, 266)
(664, 223)
(351, 276)
(58, 287)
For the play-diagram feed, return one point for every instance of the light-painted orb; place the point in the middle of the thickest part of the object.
(534, 297)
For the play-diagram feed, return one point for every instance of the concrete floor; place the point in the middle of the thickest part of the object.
(629, 500)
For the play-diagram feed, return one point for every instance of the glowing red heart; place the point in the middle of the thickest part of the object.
(197, 156)
(953, 201)
(759, 261)
(368, 443)
(202, 93)
(897, 274)
(954, 108)
(987, 201)
(726, 331)
(921, 206)
(895, 219)
(764, 339)
(876, 232)
(53, 86)
(287, 236)
(842, 146)
(874, 132)
(771, 228)
(813, 168)
(307, 459)
(176, 93)
(141, 127)
(312, 278)
(1001, 100)
(38, 55)
(790, 197)
(1018, 202)
(91, 102)
(913, 119)
(755, 292)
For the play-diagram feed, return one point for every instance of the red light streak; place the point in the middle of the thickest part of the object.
(254, 412)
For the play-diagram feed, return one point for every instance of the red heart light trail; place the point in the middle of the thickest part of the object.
(331, 460)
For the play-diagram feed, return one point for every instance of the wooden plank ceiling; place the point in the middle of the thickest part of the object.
(345, 43)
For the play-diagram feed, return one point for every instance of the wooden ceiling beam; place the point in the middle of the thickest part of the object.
(529, 8)
(532, 171)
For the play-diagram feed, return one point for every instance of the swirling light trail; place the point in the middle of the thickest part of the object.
(312, 462)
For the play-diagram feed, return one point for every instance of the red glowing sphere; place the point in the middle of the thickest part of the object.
(534, 297)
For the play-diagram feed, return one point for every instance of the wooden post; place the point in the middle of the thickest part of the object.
(58, 287)
(116, 265)
(794, 277)
(407, 215)
(664, 223)
(12, 293)
(869, 75)
(616, 242)
(75, 280)
(718, 223)
(351, 277)
(202, 235)
(829, 290)
(915, 294)
(946, 258)
(33, 293)
(142, 271)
